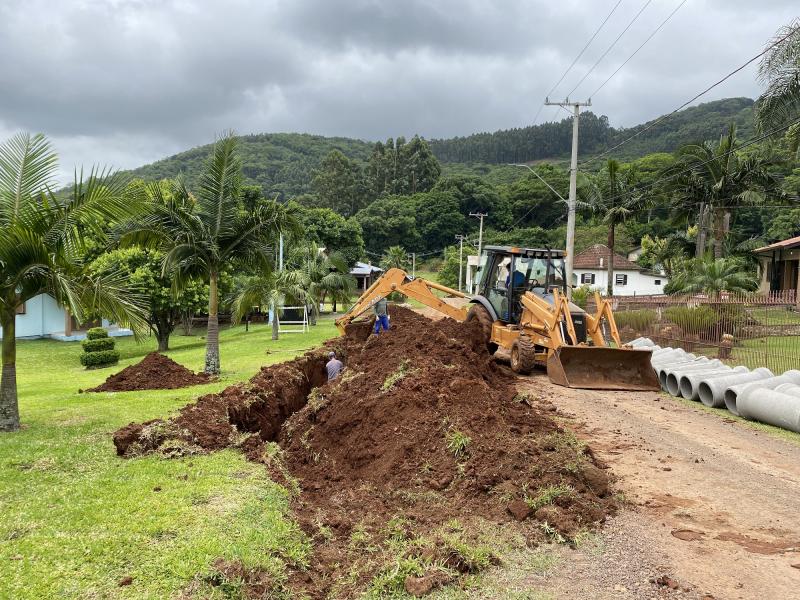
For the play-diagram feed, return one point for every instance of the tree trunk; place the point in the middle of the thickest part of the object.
(212, 335)
(719, 232)
(611, 242)
(275, 323)
(163, 340)
(9, 407)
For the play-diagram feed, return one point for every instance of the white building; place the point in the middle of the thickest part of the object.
(43, 317)
(591, 268)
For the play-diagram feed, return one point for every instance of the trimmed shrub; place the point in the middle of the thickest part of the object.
(102, 358)
(638, 320)
(98, 349)
(96, 333)
(98, 344)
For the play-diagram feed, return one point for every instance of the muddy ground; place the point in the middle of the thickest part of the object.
(396, 467)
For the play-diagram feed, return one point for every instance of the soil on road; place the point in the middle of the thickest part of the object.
(713, 503)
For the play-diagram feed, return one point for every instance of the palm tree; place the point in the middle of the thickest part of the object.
(205, 232)
(725, 178)
(42, 243)
(779, 70)
(325, 276)
(394, 257)
(711, 276)
(271, 289)
(613, 195)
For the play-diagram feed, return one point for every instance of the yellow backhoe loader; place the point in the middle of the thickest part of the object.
(522, 307)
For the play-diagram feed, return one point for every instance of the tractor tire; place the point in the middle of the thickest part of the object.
(481, 315)
(523, 355)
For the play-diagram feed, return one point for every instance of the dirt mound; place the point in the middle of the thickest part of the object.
(154, 372)
(421, 435)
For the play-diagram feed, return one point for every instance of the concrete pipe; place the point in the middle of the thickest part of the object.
(712, 392)
(732, 394)
(790, 389)
(664, 369)
(770, 406)
(689, 384)
(674, 374)
(641, 342)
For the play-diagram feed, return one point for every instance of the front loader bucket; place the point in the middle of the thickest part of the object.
(598, 368)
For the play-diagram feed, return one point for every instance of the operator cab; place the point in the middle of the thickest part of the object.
(505, 273)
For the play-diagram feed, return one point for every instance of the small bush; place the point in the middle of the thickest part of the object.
(97, 345)
(636, 319)
(699, 318)
(580, 295)
(96, 333)
(100, 359)
(98, 349)
(457, 443)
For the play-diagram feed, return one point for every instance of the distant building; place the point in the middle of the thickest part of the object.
(43, 317)
(591, 268)
(365, 274)
(779, 266)
(634, 254)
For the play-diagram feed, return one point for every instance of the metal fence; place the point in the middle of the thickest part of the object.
(740, 329)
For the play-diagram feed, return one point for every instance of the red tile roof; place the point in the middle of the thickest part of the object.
(590, 259)
(790, 243)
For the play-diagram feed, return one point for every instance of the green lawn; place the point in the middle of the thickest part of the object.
(75, 519)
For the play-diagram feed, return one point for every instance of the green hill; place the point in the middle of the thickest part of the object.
(283, 163)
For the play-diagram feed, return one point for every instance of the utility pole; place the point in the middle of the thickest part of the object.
(573, 185)
(413, 264)
(480, 237)
(460, 239)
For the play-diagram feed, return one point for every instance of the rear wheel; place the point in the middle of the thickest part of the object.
(523, 355)
(481, 315)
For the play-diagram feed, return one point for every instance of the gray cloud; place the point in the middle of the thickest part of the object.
(129, 81)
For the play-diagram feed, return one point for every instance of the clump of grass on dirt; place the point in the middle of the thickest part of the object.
(401, 372)
(547, 495)
(458, 443)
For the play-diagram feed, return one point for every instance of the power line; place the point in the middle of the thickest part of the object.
(688, 102)
(650, 37)
(614, 43)
(577, 58)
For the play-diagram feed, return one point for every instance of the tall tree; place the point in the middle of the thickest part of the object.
(395, 257)
(325, 276)
(724, 179)
(42, 240)
(614, 197)
(338, 184)
(203, 233)
(779, 70)
(272, 289)
(710, 276)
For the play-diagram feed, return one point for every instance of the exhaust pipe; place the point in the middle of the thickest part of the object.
(675, 373)
(711, 391)
(689, 384)
(734, 392)
(770, 406)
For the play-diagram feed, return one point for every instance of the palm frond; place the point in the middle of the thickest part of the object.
(28, 166)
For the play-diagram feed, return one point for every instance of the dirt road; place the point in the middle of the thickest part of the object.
(713, 503)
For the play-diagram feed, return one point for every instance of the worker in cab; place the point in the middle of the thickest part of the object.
(334, 366)
(381, 316)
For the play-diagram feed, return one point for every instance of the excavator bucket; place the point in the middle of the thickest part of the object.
(599, 368)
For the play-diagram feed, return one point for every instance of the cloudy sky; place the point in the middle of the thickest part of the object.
(125, 82)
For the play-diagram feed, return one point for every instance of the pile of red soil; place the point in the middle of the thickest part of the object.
(422, 426)
(154, 372)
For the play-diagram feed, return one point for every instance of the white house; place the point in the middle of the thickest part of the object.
(591, 268)
(43, 317)
(365, 274)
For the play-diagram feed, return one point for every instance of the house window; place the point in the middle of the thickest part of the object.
(621, 279)
(587, 278)
(21, 309)
(657, 282)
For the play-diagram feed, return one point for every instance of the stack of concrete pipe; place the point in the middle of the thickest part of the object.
(758, 395)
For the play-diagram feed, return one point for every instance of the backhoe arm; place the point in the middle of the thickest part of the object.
(397, 280)
(555, 317)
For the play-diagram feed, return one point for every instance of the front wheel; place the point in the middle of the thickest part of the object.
(523, 355)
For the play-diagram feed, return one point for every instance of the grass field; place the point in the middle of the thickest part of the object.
(75, 519)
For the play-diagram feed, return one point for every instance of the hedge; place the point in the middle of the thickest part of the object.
(699, 318)
(98, 344)
(638, 320)
(100, 359)
(96, 333)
